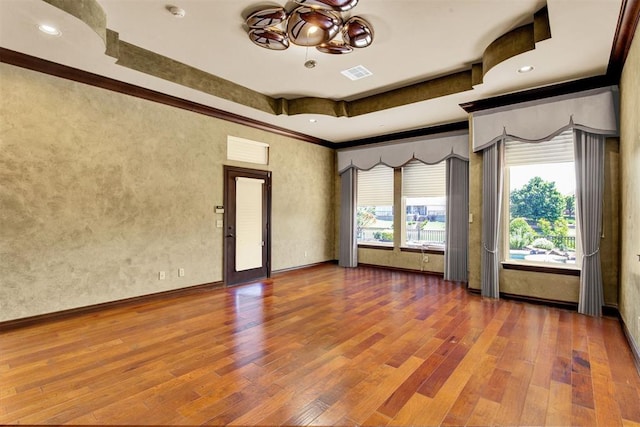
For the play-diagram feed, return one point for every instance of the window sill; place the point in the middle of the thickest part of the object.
(567, 271)
(423, 251)
(380, 247)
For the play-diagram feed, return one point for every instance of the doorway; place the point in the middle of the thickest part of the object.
(247, 224)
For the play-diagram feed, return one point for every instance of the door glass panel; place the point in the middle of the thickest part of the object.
(249, 239)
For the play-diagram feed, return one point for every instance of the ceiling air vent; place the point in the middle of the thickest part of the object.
(356, 73)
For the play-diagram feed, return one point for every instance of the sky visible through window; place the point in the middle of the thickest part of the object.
(563, 174)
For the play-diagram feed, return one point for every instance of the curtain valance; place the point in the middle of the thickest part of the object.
(430, 150)
(594, 111)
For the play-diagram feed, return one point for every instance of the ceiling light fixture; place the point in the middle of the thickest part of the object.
(316, 23)
(49, 29)
(525, 69)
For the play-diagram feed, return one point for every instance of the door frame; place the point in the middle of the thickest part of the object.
(231, 277)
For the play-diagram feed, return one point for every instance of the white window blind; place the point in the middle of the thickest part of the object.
(245, 150)
(422, 180)
(375, 186)
(248, 223)
(557, 150)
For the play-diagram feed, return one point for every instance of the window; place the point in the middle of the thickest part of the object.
(424, 203)
(245, 150)
(540, 202)
(375, 206)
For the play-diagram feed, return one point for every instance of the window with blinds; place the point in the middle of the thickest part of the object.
(375, 206)
(245, 150)
(557, 150)
(539, 202)
(422, 180)
(375, 186)
(424, 203)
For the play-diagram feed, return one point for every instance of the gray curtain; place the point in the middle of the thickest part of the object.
(589, 161)
(492, 165)
(348, 242)
(457, 224)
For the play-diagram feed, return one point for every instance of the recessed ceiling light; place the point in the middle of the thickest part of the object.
(525, 69)
(49, 29)
(313, 120)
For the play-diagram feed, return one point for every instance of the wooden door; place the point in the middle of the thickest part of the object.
(247, 218)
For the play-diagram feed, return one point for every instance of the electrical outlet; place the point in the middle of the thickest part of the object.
(181, 272)
(161, 275)
(425, 258)
(305, 254)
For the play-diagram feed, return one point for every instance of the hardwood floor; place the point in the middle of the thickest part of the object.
(323, 346)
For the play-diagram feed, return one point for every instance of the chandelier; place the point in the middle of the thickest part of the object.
(313, 23)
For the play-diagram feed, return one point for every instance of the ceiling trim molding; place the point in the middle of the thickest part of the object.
(626, 29)
(517, 41)
(88, 11)
(428, 131)
(627, 25)
(537, 93)
(33, 63)
(510, 44)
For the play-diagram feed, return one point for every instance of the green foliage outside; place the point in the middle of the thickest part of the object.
(570, 205)
(545, 227)
(540, 203)
(520, 234)
(538, 199)
(365, 217)
(561, 230)
(542, 243)
(383, 236)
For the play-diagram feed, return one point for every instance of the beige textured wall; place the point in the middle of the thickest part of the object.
(630, 192)
(475, 209)
(610, 243)
(403, 260)
(544, 285)
(548, 286)
(100, 191)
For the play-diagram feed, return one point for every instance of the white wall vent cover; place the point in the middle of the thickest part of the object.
(356, 73)
(245, 150)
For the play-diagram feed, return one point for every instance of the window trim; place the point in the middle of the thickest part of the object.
(403, 211)
(537, 268)
(399, 227)
(380, 247)
(509, 264)
(423, 251)
(375, 244)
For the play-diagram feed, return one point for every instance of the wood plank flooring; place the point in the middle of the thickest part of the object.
(323, 346)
